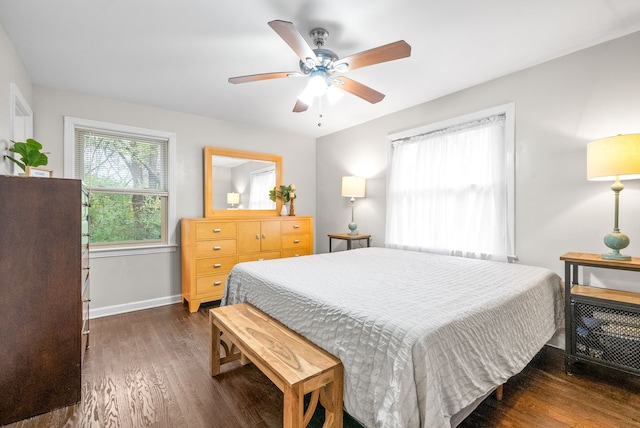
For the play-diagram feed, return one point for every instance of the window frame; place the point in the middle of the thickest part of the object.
(509, 129)
(125, 249)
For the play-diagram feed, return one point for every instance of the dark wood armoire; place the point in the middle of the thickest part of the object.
(42, 276)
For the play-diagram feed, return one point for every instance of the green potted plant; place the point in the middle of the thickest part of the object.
(30, 154)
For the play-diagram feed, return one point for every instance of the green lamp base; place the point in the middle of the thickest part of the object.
(617, 241)
(615, 255)
(352, 228)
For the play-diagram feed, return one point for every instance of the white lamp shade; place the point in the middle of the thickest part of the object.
(233, 198)
(613, 157)
(353, 187)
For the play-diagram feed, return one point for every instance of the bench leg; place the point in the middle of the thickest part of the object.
(332, 401)
(215, 347)
(293, 406)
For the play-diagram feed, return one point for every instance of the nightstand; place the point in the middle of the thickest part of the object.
(348, 238)
(602, 324)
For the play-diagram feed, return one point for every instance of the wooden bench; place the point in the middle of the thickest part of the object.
(293, 363)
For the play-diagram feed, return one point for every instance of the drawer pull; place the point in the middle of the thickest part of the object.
(296, 226)
(215, 284)
(260, 260)
(217, 265)
(257, 236)
(216, 248)
(217, 230)
(297, 255)
(296, 241)
(264, 236)
(86, 332)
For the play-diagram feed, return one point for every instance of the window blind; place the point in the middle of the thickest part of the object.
(117, 161)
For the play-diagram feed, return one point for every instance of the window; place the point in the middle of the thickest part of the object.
(261, 181)
(451, 187)
(127, 171)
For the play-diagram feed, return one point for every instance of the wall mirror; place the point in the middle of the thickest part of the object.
(237, 183)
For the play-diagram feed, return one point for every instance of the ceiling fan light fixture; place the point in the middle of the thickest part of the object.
(306, 97)
(316, 87)
(334, 95)
(318, 83)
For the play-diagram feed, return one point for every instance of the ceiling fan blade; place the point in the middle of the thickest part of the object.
(288, 32)
(390, 52)
(300, 107)
(263, 76)
(358, 89)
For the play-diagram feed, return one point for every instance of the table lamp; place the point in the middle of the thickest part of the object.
(233, 198)
(353, 187)
(615, 158)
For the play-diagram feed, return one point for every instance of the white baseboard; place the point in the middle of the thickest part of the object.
(133, 306)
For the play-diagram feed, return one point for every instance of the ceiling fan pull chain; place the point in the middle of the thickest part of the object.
(320, 111)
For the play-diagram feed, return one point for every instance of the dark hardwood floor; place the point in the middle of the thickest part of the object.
(151, 368)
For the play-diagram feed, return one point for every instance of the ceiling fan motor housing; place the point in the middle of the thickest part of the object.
(326, 58)
(319, 36)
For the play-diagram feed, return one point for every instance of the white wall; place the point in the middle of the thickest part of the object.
(11, 71)
(560, 106)
(153, 279)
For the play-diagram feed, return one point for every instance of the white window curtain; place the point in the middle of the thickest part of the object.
(261, 182)
(449, 191)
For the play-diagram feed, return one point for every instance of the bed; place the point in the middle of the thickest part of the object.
(423, 338)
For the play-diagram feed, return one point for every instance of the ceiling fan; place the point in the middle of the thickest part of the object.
(323, 65)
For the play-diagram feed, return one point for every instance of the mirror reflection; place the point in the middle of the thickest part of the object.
(242, 184)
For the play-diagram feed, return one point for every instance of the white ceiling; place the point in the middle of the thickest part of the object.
(178, 55)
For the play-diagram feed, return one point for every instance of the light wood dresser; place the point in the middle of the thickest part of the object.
(211, 247)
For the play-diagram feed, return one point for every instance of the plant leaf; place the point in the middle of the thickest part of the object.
(20, 164)
(33, 143)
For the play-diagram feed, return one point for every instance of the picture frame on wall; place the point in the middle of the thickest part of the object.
(37, 171)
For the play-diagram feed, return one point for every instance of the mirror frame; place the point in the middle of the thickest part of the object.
(209, 152)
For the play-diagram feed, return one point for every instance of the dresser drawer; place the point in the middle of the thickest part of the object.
(215, 265)
(215, 230)
(215, 248)
(295, 241)
(211, 285)
(86, 300)
(268, 255)
(296, 226)
(84, 254)
(85, 274)
(296, 252)
(85, 232)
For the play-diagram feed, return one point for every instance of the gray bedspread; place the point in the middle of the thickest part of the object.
(421, 336)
